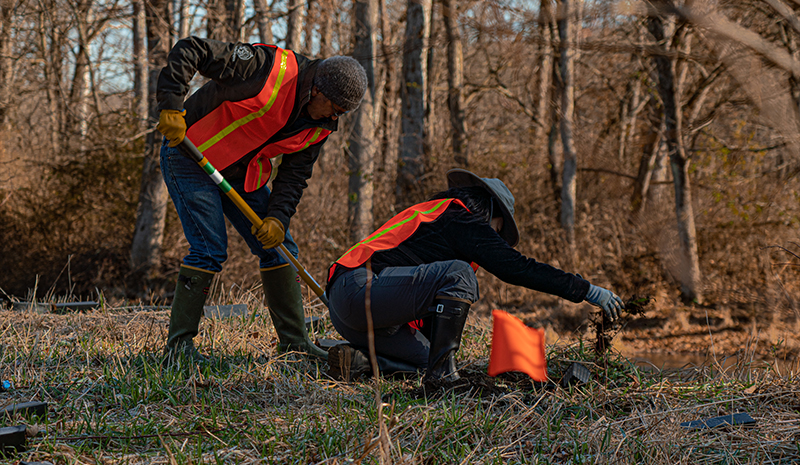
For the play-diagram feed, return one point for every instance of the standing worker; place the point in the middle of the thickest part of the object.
(263, 106)
(423, 276)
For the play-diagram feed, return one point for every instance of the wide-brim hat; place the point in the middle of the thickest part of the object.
(458, 177)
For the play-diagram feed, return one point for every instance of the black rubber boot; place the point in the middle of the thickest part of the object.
(191, 292)
(449, 318)
(346, 363)
(285, 302)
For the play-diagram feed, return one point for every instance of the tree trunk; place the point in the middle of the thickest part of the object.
(308, 27)
(264, 21)
(362, 144)
(631, 106)
(183, 18)
(410, 165)
(689, 263)
(647, 166)
(568, 187)
(326, 29)
(6, 64)
(216, 19)
(140, 95)
(554, 155)
(544, 102)
(294, 25)
(455, 83)
(428, 77)
(235, 16)
(390, 101)
(151, 211)
(50, 39)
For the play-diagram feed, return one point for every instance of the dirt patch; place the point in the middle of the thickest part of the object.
(718, 331)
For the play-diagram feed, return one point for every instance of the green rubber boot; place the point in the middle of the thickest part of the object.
(285, 302)
(187, 309)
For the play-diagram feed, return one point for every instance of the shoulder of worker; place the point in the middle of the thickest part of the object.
(216, 59)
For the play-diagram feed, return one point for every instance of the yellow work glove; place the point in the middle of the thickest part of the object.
(172, 124)
(271, 232)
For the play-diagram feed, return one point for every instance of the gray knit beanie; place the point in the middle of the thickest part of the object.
(342, 80)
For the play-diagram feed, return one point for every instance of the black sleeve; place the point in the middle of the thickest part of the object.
(226, 63)
(287, 187)
(481, 244)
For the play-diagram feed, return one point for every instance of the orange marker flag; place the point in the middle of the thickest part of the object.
(516, 347)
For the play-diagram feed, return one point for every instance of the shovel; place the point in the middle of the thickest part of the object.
(250, 214)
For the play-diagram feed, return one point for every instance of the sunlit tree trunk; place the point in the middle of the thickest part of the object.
(6, 63)
(689, 265)
(390, 101)
(455, 82)
(647, 167)
(429, 75)
(326, 29)
(569, 175)
(362, 143)
(411, 162)
(183, 18)
(632, 104)
(236, 12)
(151, 211)
(308, 26)
(264, 21)
(140, 95)
(547, 32)
(294, 25)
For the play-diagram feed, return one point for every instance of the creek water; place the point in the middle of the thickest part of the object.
(687, 361)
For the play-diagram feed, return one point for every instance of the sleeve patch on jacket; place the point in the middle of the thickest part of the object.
(243, 52)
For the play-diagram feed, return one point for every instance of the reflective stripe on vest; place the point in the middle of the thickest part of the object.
(234, 129)
(394, 232)
(260, 167)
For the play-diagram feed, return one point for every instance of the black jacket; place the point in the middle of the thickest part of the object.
(238, 72)
(460, 235)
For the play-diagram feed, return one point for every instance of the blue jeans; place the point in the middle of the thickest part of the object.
(398, 296)
(202, 208)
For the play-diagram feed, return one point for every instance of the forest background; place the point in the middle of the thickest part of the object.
(651, 146)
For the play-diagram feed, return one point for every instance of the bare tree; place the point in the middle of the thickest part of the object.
(294, 25)
(410, 165)
(326, 28)
(151, 211)
(224, 20)
(455, 82)
(547, 33)
(6, 60)
(264, 21)
(568, 188)
(689, 266)
(140, 65)
(362, 143)
(429, 72)
(183, 18)
(389, 102)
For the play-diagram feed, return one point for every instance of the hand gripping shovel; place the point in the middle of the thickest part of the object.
(250, 214)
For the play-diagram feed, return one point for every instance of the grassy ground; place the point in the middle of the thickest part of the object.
(110, 401)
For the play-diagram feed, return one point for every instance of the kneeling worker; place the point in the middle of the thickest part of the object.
(422, 269)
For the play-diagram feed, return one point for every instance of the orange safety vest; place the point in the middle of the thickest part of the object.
(234, 129)
(394, 232)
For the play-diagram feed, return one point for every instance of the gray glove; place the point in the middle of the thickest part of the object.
(605, 299)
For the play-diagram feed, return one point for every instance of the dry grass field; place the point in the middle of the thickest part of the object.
(110, 401)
